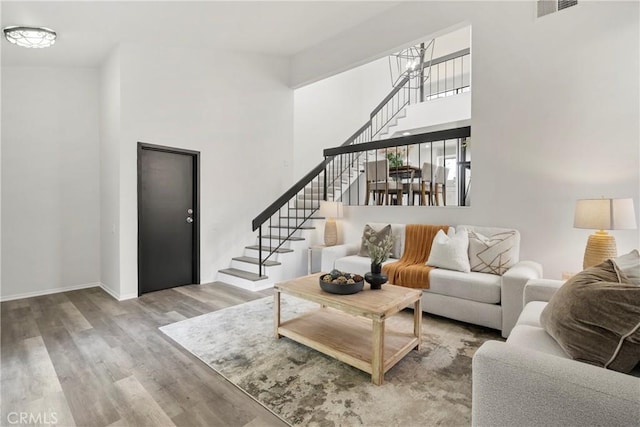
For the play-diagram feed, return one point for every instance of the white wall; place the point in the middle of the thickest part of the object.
(325, 115)
(328, 112)
(452, 41)
(110, 136)
(0, 184)
(50, 180)
(376, 83)
(237, 110)
(555, 114)
(73, 221)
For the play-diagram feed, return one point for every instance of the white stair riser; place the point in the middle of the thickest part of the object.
(319, 188)
(275, 257)
(315, 189)
(288, 244)
(318, 196)
(244, 283)
(306, 204)
(310, 222)
(253, 268)
(285, 231)
(301, 232)
(274, 243)
(315, 198)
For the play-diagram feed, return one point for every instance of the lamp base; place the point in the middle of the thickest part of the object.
(600, 247)
(330, 232)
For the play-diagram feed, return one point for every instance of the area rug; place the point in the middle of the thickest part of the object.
(304, 387)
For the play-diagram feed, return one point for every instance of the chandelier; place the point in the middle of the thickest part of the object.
(409, 61)
(30, 37)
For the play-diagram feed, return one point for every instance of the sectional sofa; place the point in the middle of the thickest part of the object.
(531, 381)
(490, 300)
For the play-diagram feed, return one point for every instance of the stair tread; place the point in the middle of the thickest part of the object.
(292, 238)
(301, 217)
(293, 227)
(270, 249)
(252, 260)
(243, 274)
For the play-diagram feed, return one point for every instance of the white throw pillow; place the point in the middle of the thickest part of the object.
(450, 252)
(492, 254)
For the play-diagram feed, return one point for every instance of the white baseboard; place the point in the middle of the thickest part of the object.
(115, 295)
(50, 291)
(112, 293)
(127, 296)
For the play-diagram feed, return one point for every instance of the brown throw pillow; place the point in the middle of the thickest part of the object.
(370, 232)
(595, 318)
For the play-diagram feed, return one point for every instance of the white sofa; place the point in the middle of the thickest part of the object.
(480, 298)
(530, 381)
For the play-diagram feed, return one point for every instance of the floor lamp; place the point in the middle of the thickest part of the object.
(331, 211)
(603, 214)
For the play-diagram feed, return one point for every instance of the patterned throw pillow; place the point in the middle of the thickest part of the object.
(492, 254)
(368, 231)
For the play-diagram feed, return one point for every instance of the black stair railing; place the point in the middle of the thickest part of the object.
(302, 201)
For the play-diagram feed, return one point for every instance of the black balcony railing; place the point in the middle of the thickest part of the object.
(409, 170)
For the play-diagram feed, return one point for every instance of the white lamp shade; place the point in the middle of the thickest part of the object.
(605, 214)
(331, 209)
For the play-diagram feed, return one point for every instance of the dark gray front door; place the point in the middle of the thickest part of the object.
(167, 228)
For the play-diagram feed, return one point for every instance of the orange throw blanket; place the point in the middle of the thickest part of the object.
(411, 270)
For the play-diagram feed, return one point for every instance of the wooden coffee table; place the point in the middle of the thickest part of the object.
(351, 328)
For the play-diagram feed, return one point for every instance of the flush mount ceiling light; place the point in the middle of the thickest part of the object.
(31, 37)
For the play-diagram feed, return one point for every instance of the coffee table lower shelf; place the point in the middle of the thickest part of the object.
(348, 338)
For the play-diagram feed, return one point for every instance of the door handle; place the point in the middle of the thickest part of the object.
(189, 219)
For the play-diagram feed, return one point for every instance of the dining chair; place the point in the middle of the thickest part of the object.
(440, 184)
(424, 188)
(380, 184)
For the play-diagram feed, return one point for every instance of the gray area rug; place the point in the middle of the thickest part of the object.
(302, 386)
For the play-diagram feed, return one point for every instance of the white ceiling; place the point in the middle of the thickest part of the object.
(88, 30)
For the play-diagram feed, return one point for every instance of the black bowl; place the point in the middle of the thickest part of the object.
(341, 289)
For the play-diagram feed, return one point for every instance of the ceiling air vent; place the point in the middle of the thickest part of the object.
(563, 4)
(545, 7)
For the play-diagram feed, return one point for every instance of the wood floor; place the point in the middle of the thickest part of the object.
(82, 358)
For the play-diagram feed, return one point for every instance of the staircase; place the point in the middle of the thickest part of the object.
(289, 239)
(243, 271)
(388, 129)
(290, 225)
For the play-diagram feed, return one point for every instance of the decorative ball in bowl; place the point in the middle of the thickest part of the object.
(338, 282)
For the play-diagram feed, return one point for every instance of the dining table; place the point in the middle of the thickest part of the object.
(406, 173)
